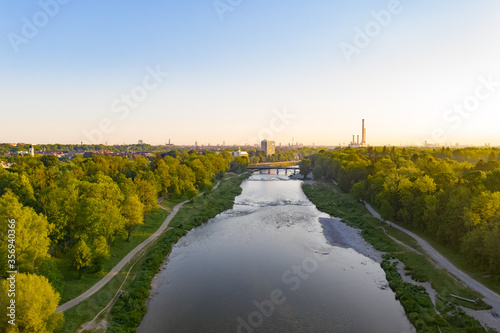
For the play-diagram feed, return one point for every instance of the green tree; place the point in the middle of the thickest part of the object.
(239, 164)
(133, 212)
(82, 257)
(50, 160)
(100, 254)
(492, 181)
(202, 176)
(147, 194)
(186, 180)
(98, 211)
(31, 230)
(36, 303)
(163, 176)
(49, 270)
(20, 185)
(305, 167)
(59, 204)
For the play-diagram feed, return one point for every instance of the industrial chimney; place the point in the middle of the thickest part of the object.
(363, 133)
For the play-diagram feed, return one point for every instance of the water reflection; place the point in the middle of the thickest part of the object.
(265, 266)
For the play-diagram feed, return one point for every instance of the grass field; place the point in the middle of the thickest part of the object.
(171, 203)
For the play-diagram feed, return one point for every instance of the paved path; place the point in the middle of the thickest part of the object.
(490, 297)
(115, 270)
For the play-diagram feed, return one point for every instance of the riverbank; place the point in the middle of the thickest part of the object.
(75, 286)
(445, 312)
(130, 307)
(75, 316)
(489, 317)
(265, 244)
(86, 311)
(340, 234)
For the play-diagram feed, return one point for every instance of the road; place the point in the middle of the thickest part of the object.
(115, 270)
(490, 297)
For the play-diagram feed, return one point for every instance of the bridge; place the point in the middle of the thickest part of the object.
(293, 168)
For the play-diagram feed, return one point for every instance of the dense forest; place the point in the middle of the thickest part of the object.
(453, 196)
(78, 208)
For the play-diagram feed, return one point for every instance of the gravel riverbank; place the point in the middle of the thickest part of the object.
(339, 234)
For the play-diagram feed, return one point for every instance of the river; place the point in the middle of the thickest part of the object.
(266, 266)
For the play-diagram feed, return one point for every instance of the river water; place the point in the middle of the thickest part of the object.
(266, 266)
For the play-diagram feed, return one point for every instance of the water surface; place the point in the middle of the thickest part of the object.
(265, 266)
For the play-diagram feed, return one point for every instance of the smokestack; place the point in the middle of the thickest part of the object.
(353, 139)
(357, 141)
(363, 132)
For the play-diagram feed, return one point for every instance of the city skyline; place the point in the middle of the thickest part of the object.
(111, 72)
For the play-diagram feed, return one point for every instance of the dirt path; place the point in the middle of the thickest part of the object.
(115, 270)
(407, 247)
(490, 297)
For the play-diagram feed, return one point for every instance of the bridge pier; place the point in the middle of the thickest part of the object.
(262, 170)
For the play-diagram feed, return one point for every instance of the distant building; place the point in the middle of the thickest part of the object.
(268, 147)
(140, 142)
(240, 153)
(5, 165)
(31, 150)
(431, 145)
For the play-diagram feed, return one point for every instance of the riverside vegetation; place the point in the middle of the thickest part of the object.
(451, 196)
(130, 307)
(439, 193)
(85, 214)
(415, 300)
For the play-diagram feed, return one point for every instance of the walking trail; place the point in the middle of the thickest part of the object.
(490, 297)
(115, 270)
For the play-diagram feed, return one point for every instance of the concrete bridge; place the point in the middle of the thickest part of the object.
(293, 169)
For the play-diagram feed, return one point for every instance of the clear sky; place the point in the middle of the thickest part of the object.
(239, 71)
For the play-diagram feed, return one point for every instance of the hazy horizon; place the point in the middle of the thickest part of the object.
(215, 72)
